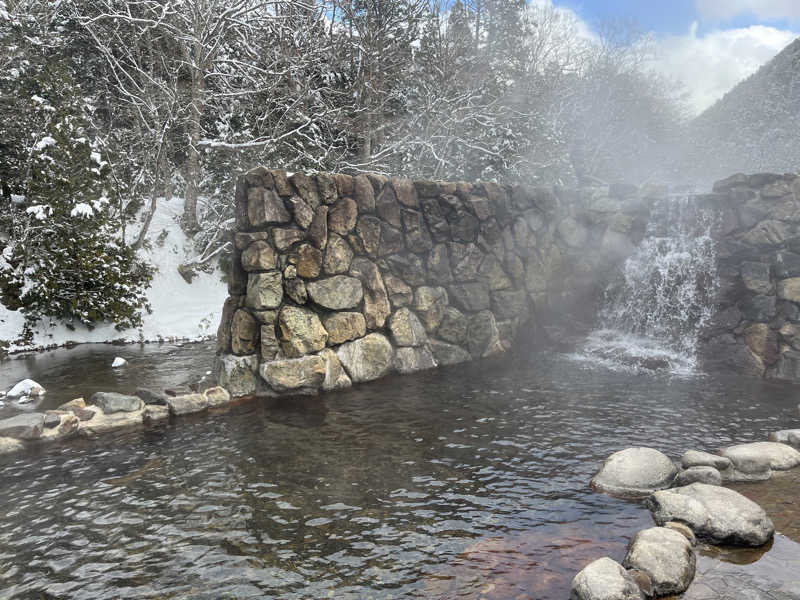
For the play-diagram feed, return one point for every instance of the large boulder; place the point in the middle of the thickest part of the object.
(237, 374)
(306, 373)
(605, 579)
(111, 402)
(376, 301)
(301, 331)
(367, 358)
(24, 427)
(448, 354)
(244, 333)
(265, 206)
(187, 404)
(217, 396)
(406, 329)
(344, 326)
(335, 376)
(483, 336)
(264, 290)
(696, 458)
(338, 256)
(430, 304)
(704, 474)
(453, 327)
(777, 456)
(635, 472)
(410, 360)
(718, 514)
(666, 556)
(259, 256)
(339, 292)
(784, 435)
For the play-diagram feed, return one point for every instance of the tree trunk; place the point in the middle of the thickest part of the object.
(193, 171)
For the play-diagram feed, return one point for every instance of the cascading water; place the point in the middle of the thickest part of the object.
(653, 315)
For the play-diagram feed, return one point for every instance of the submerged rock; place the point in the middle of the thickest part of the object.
(635, 472)
(666, 556)
(151, 396)
(718, 514)
(27, 426)
(605, 579)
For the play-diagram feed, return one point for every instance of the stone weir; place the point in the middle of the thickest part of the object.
(756, 326)
(340, 279)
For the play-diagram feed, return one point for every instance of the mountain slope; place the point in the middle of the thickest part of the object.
(754, 127)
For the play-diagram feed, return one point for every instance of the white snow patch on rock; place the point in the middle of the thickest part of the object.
(26, 387)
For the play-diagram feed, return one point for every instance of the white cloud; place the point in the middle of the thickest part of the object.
(720, 10)
(712, 64)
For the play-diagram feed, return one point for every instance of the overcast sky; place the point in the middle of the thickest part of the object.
(708, 45)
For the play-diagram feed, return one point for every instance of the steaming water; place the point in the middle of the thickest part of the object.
(654, 313)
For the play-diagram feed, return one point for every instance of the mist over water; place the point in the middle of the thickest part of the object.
(655, 310)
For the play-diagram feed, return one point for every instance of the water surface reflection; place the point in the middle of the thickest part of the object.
(469, 482)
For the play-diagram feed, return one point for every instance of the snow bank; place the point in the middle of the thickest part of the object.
(181, 311)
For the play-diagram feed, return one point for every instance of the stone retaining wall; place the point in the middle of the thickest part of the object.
(756, 328)
(339, 279)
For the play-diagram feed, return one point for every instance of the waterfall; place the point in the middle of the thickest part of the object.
(654, 312)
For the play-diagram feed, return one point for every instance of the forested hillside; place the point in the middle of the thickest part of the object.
(107, 106)
(754, 127)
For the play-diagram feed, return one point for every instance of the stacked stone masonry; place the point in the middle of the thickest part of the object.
(756, 326)
(340, 279)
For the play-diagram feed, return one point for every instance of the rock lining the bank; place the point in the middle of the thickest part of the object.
(661, 560)
(107, 412)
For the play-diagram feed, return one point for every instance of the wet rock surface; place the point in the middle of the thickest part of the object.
(714, 513)
(111, 402)
(753, 456)
(635, 472)
(704, 474)
(666, 556)
(605, 579)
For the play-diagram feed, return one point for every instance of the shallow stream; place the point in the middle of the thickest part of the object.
(460, 483)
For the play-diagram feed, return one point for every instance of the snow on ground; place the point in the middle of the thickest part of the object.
(180, 310)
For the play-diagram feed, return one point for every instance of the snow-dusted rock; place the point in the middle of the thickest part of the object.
(718, 514)
(635, 472)
(604, 579)
(26, 387)
(118, 362)
(666, 556)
